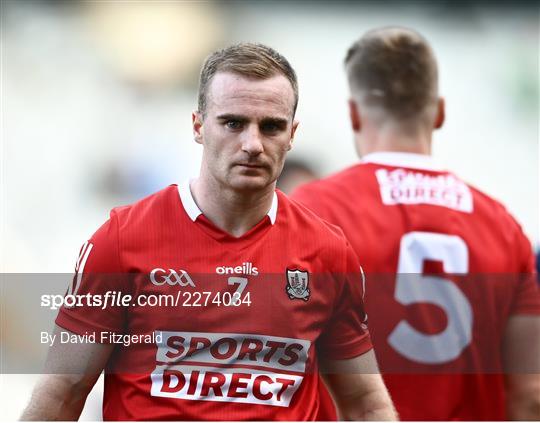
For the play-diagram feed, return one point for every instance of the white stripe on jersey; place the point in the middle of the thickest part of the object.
(79, 267)
(81, 254)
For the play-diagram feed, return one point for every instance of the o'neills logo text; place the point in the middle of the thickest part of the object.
(246, 268)
(229, 367)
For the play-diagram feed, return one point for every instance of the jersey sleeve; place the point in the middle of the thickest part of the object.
(98, 280)
(527, 293)
(346, 335)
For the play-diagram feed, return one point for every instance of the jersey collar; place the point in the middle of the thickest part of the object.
(409, 160)
(193, 211)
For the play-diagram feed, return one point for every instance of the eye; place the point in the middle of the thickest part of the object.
(233, 124)
(270, 128)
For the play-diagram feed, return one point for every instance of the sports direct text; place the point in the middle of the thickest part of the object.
(402, 186)
(229, 367)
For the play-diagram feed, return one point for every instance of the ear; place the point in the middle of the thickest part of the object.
(441, 115)
(293, 131)
(197, 122)
(354, 115)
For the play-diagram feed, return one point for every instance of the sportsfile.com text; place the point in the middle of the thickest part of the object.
(119, 299)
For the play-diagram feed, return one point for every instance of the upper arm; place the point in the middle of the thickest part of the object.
(98, 273)
(526, 299)
(79, 359)
(521, 346)
(70, 372)
(521, 339)
(357, 387)
(352, 377)
(346, 334)
(73, 367)
(521, 352)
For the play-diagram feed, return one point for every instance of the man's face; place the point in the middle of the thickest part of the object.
(246, 131)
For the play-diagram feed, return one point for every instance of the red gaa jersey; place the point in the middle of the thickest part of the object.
(446, 266)
(242, 322)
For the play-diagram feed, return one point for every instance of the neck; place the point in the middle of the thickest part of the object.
(235, 212)
(392, 139)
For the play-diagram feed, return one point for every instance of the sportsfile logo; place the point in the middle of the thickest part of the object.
(245, 268)
(171, 277)
(229, 367)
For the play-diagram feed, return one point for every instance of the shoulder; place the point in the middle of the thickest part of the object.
(128, 225)
(325, 195)
(143, 221)
(154, 206)
(329, 184)
(493, 215)
(494, 211)
(300, 219)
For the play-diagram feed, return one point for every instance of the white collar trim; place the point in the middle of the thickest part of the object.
(412, 160)
(272, 213)
(190, 206)
(193, 211)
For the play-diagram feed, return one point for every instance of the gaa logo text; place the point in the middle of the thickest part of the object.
(171, 277)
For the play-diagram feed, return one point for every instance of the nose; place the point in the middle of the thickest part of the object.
(252, 141)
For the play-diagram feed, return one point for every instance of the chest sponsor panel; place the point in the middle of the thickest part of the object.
(229, 367)
(205, 383)
(273, 352)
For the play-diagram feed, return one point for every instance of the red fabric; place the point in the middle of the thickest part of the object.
(486, 243)
(264, 356)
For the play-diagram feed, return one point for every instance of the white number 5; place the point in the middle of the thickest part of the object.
(412, 287)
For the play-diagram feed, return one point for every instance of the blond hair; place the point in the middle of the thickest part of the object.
(252, 60)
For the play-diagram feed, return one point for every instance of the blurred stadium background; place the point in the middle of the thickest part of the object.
(97, 97)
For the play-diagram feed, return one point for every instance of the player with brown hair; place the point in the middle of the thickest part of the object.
(450, 298)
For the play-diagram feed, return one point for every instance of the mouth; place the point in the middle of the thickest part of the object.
(250, 165)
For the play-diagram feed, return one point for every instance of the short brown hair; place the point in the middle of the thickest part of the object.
(252, 60)
(395, 70)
